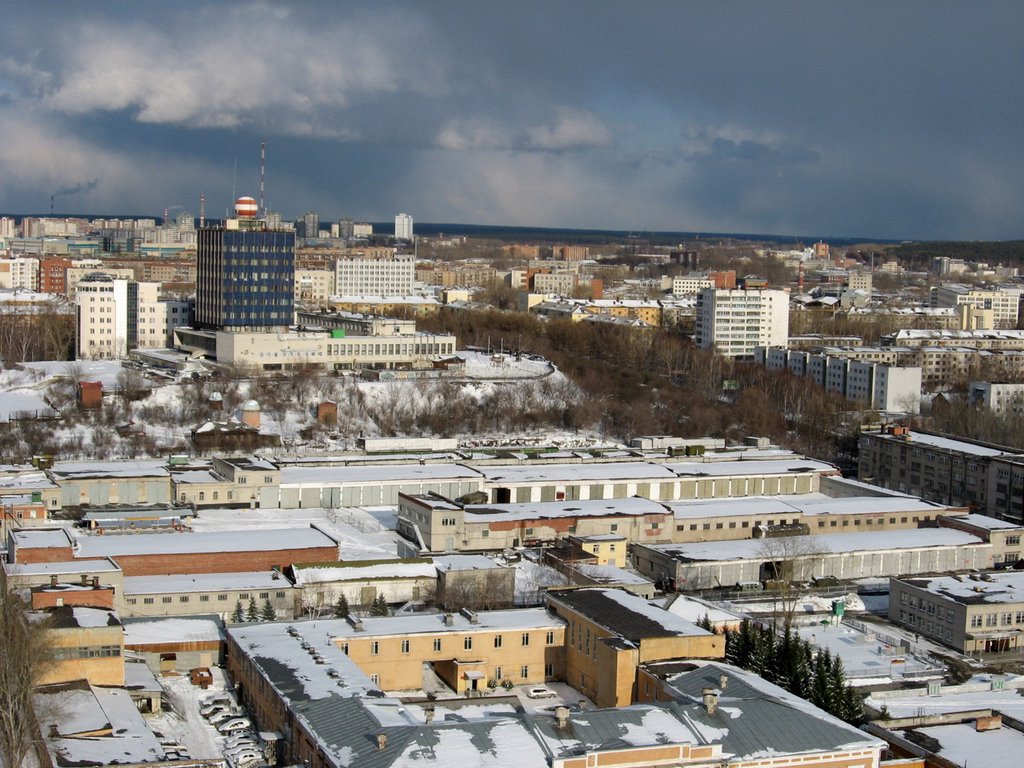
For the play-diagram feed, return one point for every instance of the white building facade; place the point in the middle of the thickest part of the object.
(403, 227)
(374, 276)
(735, 322)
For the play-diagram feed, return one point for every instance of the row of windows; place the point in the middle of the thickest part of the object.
(203, 598)
(467, 643)
(86, 652)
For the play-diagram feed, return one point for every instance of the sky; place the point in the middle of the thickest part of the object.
(869, 119)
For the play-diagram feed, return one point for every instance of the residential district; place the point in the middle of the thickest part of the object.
(280, 575)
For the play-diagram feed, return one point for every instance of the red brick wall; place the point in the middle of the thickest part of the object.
(94, 598)
(24, 555)
(221, 562)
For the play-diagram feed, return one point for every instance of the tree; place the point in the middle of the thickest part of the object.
(380, 607)
(238, 615)
(25, 656)
(267, 613)
(789, 562)
(341, 608)
(252, 613)
(705, 623)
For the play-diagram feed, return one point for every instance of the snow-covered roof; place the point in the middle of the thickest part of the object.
(520, 619)
(60, 568)
(363, 571)
(747, 549)
(627, 615)
(27, 481)
(950, 444)
(43, 538)
(759, 467)
(1001, 587)
(205, 582)
(693, 609)
(464, 563)
(259, 539)
(800, 504)
(610, 574)
(606, 472)
(361, 474)
(91, 470)
(141, 632)
(68, 711)
(635, 506)
(988, 523)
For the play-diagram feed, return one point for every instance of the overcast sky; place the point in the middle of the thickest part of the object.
(875, 119)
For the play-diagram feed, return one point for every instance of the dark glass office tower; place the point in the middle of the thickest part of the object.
(245, 278)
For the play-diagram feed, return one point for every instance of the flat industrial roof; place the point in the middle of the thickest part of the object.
(205, 582)
(632, 506)
(748, 549)
(1001, 587)
(801, 504)
(214, 541)
(593, 472)
(364, 474)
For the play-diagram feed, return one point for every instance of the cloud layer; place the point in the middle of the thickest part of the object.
(789, 117)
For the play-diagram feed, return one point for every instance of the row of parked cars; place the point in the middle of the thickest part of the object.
(241, 745)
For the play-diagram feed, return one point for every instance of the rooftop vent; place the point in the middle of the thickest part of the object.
(710, 696)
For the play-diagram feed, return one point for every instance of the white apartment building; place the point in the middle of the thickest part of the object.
(403, 227)
(362, 230)
(1003, 300)
(687, 284)
(736, 321)
(114, 315)
(1000, 398)
(314, 286)
(873, 383)
(357, 275)
(8, 228)
(19, 272)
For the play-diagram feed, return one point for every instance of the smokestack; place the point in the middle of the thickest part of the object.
(53, 581)
(85, 580)
(382, 741)
(263, 167)
(723, 681)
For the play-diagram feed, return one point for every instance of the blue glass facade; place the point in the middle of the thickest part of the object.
(245, 279)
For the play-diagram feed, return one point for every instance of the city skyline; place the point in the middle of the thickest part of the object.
(872, 121)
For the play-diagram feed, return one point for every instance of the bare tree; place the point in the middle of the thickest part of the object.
(789, 563)
(24, 658)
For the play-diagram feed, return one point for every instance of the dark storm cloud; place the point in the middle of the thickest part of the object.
(874, 119)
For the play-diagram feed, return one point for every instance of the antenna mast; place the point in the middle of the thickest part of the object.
(263, 168)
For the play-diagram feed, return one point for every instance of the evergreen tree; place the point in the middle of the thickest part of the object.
(252, 613)
(379, 607)
(837, 688)
(853, 706)
(341, 608)
(238, 615)
(705, 623)
(267, 613)
(819, 694)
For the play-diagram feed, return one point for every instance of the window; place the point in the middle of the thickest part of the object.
(222, 597)
(131, 601)
(549, 670)
(204, 598)
(166, 599)
(375, 679)
(374, 648)
(405, 646)
(244, 595)
(147, 601)
(437, 645)
(524, 672)
(467, 643)
(549, 639)
(497, 641)
(497, 673)
(183, 598)
(279, 594)
(264, 595)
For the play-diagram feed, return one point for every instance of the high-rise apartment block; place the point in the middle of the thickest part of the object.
(735, 322)
(19, 272)
(115, 315)
(245, 277)
(375, 273)
(403, 227)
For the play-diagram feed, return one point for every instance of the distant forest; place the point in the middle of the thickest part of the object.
(919, 255)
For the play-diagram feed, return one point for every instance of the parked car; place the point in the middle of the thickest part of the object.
(239, 739)
(241, 748)
(540, 692)
(235, 724)
(247, 757)
(219, 717)
(212, 709)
